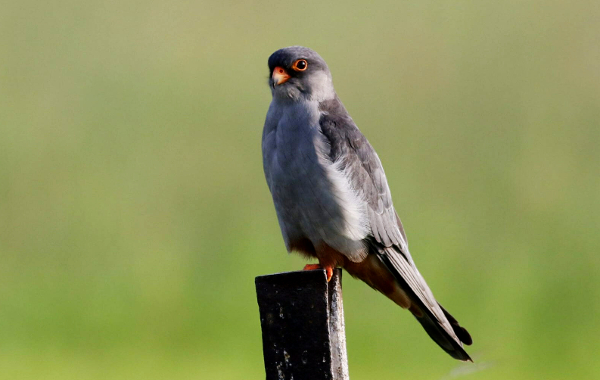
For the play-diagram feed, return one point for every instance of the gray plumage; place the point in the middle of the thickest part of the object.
(330, 190)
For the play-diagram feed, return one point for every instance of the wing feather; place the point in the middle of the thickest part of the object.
(356, 158)
(359, 162)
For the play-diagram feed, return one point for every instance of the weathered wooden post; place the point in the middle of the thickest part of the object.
(302, 320)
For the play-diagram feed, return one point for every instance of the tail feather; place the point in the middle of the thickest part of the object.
(441, 337)
(436, 321)
(460, 331)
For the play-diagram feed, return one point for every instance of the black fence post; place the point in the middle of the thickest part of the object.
(302, 320)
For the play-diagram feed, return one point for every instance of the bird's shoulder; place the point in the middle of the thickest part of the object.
(341, 131)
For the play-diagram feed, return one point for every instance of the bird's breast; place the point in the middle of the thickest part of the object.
(312, 196)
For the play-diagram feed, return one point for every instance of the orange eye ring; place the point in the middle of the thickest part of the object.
(300, 65)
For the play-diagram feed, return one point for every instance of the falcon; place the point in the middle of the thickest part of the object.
(331, 195)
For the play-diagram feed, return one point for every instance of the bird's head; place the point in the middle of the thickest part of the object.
(297, 73)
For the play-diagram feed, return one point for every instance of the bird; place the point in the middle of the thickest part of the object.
(331, 195)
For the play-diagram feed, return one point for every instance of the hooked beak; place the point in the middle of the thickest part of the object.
(279, 75)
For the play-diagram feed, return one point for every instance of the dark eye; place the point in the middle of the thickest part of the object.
(300, 65)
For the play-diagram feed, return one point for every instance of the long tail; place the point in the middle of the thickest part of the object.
(436, 321)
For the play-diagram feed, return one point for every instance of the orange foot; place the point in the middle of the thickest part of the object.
(328, 270)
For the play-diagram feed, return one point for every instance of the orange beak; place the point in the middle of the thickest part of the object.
(279, 75)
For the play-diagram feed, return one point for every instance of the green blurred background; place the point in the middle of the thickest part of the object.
(134, 214)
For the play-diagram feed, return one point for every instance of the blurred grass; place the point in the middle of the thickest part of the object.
(134, 214)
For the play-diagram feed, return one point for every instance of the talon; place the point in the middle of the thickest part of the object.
(312, 267)
(328, 270)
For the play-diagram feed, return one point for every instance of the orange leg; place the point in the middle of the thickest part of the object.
(328, 269)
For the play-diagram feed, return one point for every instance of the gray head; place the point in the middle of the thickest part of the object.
(299, 73)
